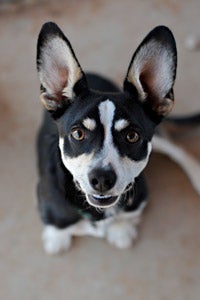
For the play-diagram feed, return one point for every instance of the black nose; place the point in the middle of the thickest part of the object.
(102, 179)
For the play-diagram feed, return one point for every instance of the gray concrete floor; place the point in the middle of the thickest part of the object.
(164, 264)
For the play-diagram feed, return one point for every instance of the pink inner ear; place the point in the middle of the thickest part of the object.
(59, 70)
(155, 78)
(151, 80)
(153, 69)
(63, 74)
(147, 77)
(57, 79)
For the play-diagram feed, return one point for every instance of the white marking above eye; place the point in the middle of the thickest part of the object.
(90, 124)
(121, 124)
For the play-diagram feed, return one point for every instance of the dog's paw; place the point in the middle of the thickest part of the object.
(121, 235)
(55, 240)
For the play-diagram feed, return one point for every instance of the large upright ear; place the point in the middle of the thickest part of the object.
(152, 70)
(58, 68)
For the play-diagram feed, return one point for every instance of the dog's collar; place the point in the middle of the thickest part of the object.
(84, 214)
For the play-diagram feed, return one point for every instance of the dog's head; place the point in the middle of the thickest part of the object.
(105, 138)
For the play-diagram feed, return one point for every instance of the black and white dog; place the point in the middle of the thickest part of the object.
(95, 140)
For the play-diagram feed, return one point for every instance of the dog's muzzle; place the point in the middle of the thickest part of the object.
(105, 201)
(102, 180)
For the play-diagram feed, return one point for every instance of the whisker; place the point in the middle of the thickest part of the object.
(128, 188)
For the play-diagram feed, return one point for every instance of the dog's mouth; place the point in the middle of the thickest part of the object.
(102, 201)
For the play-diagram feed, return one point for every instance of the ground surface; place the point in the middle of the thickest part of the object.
(164, 264)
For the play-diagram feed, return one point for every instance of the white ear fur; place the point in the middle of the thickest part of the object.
(155, 66)
(152, 70)
(58, 69)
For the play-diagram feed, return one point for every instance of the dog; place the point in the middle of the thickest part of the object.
(95, 139)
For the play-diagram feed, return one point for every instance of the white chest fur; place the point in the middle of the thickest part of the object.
(119, 230)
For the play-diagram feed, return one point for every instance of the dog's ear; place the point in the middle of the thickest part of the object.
(59, 71)
(152, 71)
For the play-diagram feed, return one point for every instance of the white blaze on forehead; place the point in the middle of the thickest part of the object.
(90, 124)
(106, 113)
(121, 124)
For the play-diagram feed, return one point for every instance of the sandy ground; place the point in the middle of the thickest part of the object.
(164, 264)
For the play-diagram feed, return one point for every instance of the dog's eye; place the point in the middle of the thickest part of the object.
(78, 134)
(132, 136)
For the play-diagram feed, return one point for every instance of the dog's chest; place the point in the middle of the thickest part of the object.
(100, 228)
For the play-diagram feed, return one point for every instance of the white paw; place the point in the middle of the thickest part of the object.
(55, 240)
(121, 234)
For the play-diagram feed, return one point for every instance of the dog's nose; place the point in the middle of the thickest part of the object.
(102, 179)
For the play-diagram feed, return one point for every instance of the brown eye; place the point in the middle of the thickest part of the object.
(132, 136)
(78, 134)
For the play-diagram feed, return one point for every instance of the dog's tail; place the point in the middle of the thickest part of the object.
(185, 160)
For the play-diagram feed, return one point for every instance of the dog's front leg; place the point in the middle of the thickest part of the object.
(122, 230)
(58, 216)
(121, 234)
(56, 240)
